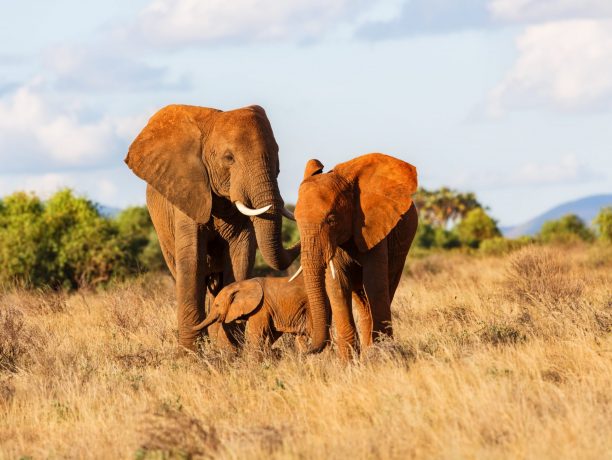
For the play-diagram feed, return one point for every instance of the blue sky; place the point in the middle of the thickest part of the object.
(511, 99)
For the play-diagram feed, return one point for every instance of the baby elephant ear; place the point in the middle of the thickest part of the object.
(313, 167)
(245, 299)
(383, 194)
(167, 154)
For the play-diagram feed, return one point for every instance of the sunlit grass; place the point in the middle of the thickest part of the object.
(493, 357)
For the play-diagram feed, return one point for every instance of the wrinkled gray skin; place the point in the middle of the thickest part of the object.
(198, 162)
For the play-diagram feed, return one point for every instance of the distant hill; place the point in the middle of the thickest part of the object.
(585, 208)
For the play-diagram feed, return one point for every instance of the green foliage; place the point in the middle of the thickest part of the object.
(446, 239)
(290, 233)
(568, 229)
(140, 239)
(603, 224)
(499, 245)
(425, 236)
(476, 227)
(66, 243)
(443, 207)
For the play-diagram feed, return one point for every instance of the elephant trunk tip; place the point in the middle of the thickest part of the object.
(205, 323)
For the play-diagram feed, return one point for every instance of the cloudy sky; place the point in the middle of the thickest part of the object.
(511, 99)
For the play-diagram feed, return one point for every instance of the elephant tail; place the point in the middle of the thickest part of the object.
(207, 322)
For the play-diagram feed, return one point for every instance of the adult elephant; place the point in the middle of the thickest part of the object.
(213, 196)
(364, 207)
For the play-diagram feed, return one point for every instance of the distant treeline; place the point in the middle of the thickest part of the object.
(66, 243)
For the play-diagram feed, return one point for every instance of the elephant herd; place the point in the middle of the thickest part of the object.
(213, 197)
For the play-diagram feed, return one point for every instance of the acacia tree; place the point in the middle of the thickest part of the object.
(444, 207)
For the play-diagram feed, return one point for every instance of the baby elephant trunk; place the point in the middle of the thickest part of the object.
(211, 318)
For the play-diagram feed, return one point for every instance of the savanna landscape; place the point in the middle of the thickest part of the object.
(254, 229)
(493, 356)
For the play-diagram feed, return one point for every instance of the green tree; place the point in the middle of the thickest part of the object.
(23, 240)
(139, 238)
(444, 207)
(603, 224)
(425, 236)
(86, 246)
(446, 239)
(567, 229)
(476, 227)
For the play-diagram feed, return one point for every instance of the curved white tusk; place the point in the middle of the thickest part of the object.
(288, 214)
(251, 212)
(333, 270)
(296, 274)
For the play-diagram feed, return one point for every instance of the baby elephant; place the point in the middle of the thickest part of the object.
(270, 307)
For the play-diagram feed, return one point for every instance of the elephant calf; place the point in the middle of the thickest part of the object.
(270, 307)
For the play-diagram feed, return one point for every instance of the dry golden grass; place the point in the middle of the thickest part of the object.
(493, 358)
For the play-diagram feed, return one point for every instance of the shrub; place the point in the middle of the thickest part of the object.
(603, 224)
(64, 242)
(446, 239)
(139, 238)
(540, 275)
(476, 227)
(568, 229)
(499, 245)
(425, 236)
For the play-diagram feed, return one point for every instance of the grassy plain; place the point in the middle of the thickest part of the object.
(494, 357)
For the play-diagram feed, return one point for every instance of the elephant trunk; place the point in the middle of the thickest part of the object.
(268, 227)
(206, 322)
(314, 280)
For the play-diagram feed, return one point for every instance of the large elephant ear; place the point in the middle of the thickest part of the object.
(244, 300)
(383, 192)
(167, 154)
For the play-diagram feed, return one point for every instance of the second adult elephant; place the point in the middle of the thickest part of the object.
(212, 191)
(364, 207)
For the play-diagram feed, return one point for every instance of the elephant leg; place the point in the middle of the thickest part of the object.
(365, 323)
(259, 334)
(399, 242)
(190, 247)
(376, 287)
(342, 314)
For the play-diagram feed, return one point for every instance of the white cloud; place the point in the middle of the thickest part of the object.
(547, 10)
(36, 133)
(567, 170)
(181, 22)
(106, 68)
(565, 64)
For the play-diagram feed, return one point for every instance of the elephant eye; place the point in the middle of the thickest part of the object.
(331, 220)
(228, 158)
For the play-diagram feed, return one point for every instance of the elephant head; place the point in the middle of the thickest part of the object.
(355, 205)
(233, 302)
(191, 154)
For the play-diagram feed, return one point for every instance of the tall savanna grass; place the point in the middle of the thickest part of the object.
(493, 357)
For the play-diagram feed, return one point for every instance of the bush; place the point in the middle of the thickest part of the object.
(541, 275)
(446, 239)
(140, 239)
(425, 236)
(603, 224)
(67, 243)
(476, 227)
(568, 229)
(499, 245)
